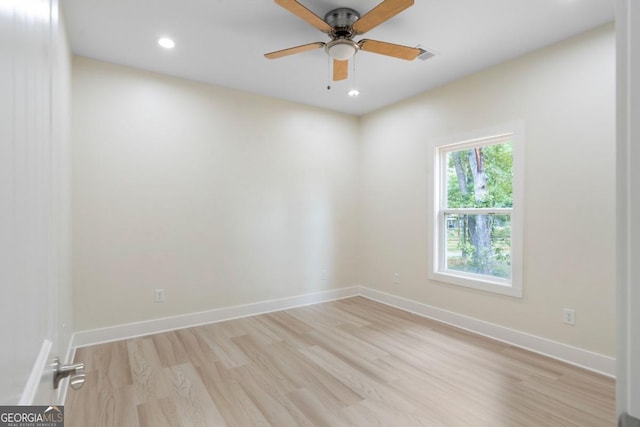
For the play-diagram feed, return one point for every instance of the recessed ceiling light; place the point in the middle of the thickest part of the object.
(353, 92)
(166, 42)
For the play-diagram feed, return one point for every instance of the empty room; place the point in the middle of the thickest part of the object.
(319, 213)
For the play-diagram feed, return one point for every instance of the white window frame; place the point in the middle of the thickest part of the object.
(513, 132)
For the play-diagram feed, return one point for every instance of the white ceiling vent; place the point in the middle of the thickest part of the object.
(425, 54)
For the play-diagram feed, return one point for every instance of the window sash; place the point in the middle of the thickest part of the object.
(442, 245)
(443, 151)
(477, 211)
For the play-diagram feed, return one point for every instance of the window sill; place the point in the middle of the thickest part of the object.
(478, 282)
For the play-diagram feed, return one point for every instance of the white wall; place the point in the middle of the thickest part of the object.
(566, 96)
(34, 198)
(216, 196)
(224, 198)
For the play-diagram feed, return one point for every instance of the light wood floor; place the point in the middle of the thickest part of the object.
(352, 362)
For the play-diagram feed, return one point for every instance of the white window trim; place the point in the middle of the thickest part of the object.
(513, 287)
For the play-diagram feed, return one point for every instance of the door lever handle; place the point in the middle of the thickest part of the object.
(75, 372)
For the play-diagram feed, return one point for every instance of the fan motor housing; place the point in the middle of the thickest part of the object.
(342, 19)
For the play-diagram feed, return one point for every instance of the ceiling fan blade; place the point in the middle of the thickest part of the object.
(382, 12)
(389, 49)
(293, 50)
(340, 70)
(302, 12)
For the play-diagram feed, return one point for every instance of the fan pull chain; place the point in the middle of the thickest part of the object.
(353, 72)
(328, 72)
(354, 87)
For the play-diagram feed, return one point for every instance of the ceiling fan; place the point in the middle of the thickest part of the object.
(342, 25)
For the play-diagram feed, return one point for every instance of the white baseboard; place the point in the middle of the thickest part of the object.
(36, 376)
(586, 359)
(576, 356)
(131, 330)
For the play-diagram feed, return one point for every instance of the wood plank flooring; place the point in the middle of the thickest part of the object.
(352, 362)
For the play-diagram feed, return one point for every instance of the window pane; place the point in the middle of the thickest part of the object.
(479, 244)
(480, 177)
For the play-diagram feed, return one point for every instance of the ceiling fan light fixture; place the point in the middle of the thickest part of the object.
(341, 49)
(353, 93)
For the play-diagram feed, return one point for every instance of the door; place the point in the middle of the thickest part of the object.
(34, 199)
(628, 206)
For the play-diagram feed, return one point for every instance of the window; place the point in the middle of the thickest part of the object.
(477, 200)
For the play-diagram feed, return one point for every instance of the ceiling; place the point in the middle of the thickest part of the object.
(222, 42)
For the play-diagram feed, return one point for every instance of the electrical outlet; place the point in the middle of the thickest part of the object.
(569, 315)
(159, 295)
(396, 278)
(323, 275)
